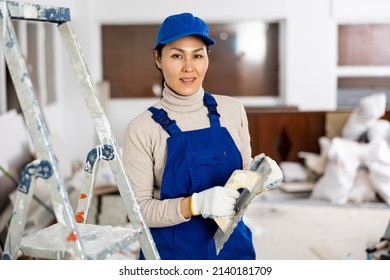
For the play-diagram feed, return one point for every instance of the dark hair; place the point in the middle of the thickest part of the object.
(159, 53)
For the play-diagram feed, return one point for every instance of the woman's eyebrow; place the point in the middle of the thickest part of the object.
(182, 50)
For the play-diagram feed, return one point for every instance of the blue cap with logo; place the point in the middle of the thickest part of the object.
(181, 25)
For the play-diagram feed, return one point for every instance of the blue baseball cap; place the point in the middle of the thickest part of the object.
(181, 25)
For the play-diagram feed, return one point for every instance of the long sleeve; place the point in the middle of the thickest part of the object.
(143, 158)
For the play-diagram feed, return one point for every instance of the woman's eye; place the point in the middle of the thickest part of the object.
(177, 56)
(198, 56)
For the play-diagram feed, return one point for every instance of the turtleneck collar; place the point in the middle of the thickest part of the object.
(180, 103)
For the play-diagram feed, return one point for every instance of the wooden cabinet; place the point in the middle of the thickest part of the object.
(281, 135)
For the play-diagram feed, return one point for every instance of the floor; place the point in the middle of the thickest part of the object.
(301, 229)
(294, 227)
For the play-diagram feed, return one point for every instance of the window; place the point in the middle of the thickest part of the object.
(363, 63)
(36, 43)
(244, 62)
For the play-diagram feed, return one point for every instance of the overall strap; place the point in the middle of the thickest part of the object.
(160, 116)
(211, 104)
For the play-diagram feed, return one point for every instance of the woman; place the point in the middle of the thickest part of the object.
(181, 151)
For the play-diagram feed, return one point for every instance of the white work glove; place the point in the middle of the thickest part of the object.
(214, 202)
(276, 175)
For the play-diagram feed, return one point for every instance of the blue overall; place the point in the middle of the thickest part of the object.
(198, 160)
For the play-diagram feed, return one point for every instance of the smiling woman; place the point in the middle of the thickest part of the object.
(183, 149)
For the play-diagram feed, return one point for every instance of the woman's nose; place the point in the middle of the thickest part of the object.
(188, 66)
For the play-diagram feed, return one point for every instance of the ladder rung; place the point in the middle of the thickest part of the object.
(27, 11)
(99, 241)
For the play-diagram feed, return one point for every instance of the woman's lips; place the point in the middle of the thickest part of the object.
(187, 81)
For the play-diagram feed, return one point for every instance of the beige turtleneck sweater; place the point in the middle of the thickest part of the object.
(145, 148)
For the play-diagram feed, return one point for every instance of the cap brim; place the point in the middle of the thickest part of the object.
(208, 40)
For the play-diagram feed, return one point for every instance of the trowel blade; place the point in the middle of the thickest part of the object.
(220, 237)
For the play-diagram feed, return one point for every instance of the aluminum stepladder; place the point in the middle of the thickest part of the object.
(67, 238)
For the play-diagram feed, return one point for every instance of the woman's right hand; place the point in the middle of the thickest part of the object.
(214, 202)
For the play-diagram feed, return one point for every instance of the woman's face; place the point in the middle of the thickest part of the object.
(184, 63)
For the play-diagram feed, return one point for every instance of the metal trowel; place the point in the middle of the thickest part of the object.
(263, 175)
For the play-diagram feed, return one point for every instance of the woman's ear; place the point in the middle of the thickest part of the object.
(157, 59)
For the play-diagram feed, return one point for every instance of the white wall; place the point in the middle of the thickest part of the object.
(310, 56)
(311, 86)
(309, 51)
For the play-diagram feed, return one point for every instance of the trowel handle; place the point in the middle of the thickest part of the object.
(256, 161)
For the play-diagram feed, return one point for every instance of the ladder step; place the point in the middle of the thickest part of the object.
(99, 241)
(27, 11)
